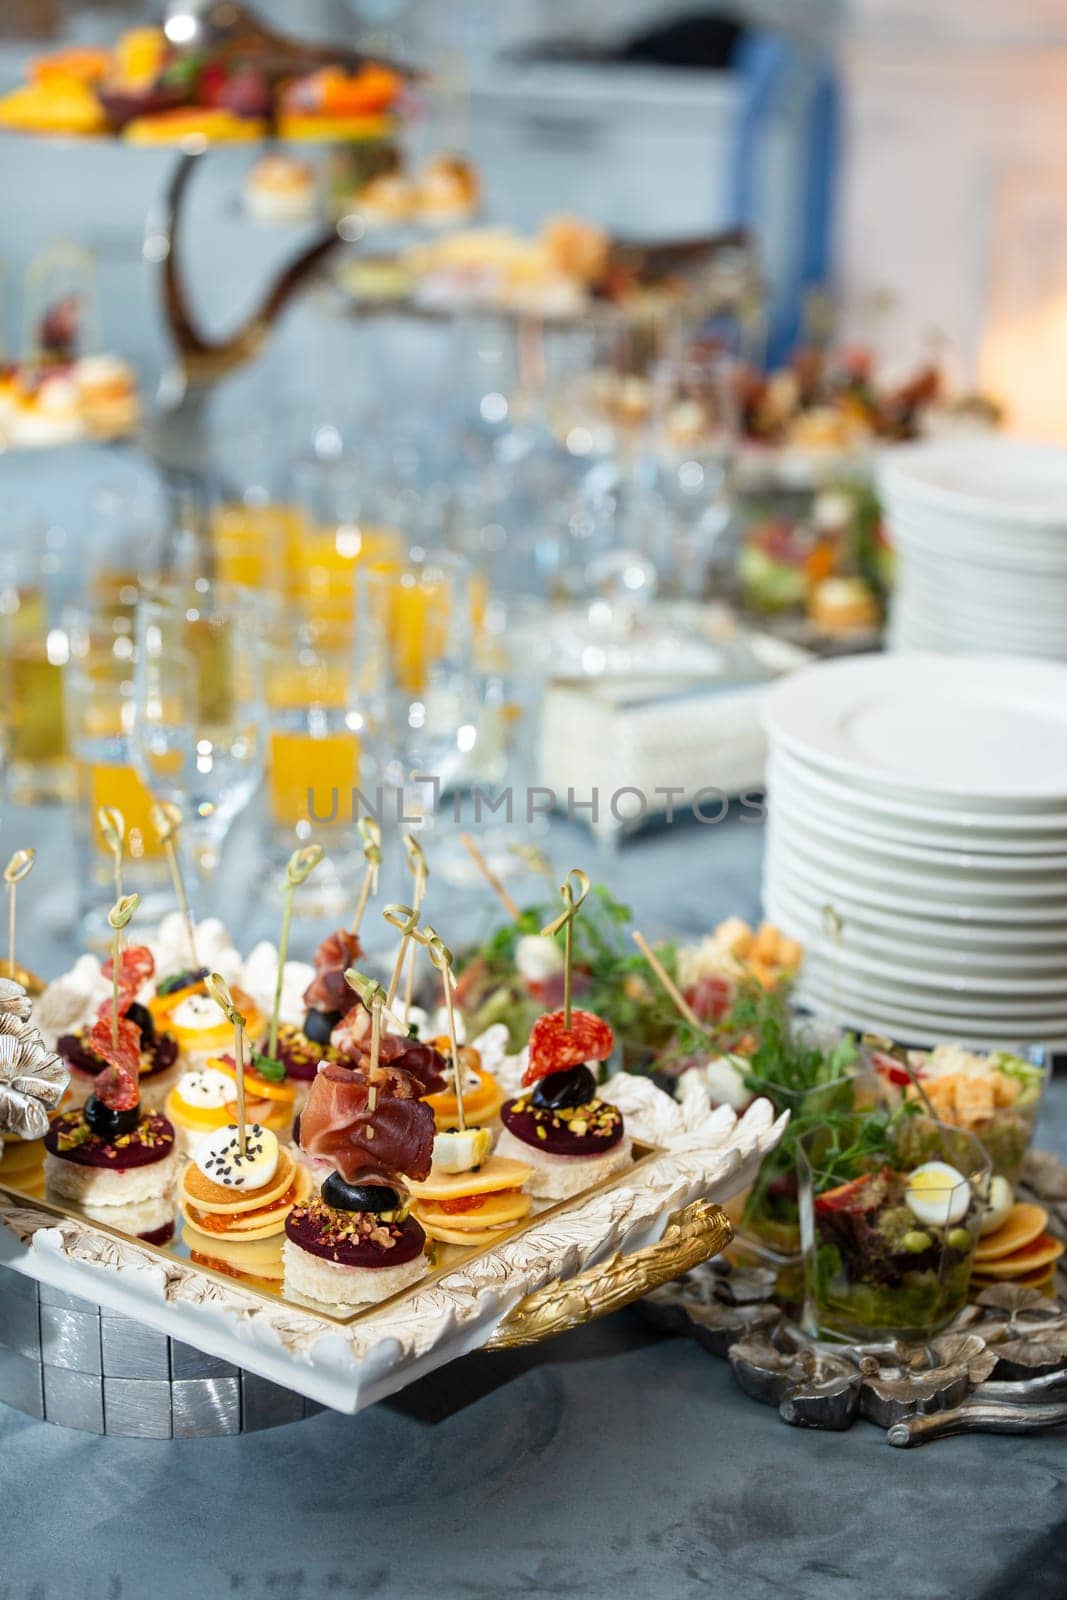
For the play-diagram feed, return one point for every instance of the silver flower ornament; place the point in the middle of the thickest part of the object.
(32, 1079)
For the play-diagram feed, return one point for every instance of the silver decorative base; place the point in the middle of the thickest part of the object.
(66, 1360)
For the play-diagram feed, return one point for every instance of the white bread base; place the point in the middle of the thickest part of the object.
(96, 1186)
(559, 1177)
(331, 1283)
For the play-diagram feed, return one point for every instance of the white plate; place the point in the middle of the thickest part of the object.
(1024, 967)
(981, 730)
(838, 830)
(838, 857)
(915, 1028)
(949, 1000)
(992, 479)
(943, 813)
(839, 890)
(983, 937)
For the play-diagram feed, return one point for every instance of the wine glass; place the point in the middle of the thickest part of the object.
(198, 719)
(413, 675)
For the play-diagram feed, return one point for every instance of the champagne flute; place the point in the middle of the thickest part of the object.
(413, 675)
(198, 720)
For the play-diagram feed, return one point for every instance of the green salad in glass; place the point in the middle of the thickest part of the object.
(891, 1205)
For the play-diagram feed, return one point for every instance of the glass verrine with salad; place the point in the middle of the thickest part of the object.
(996, 1096)
(890, 1208)
(817, 1077)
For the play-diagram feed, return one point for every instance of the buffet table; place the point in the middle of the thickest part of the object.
(613, 1461)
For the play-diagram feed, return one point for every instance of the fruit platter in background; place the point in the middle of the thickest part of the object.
(234, 85)
(829, 407)
(820, 571)
(64, 388)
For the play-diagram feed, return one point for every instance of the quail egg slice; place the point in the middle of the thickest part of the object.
(996, 1206)
(937, 1194)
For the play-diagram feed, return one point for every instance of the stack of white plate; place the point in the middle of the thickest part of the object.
(924, 799)
(980, 530)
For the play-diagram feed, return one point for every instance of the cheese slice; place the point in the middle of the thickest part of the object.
(495, 1209)
(474, 1237)
(498, 1172)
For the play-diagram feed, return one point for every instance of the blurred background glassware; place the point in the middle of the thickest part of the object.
(696, 433)
(874, 1266)
(100, 713)
(126, 542)
(512, 662)
(199, 734)
(37, 577)
(314, 753)
(414, 678)
(333, 536)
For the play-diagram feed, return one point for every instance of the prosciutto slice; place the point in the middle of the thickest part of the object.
(352, 1037)
(338, 1125)
(328, 990)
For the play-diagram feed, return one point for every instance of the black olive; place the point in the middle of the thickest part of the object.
(181, 980)
(358, 1196)
(318, 1025)
(108, 1124)
(574, 1087)
(143, 1018)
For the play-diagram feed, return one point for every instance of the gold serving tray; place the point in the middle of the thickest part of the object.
(698, 1232)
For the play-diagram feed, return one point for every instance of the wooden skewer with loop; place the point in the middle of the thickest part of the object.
(371, 835)
(118, 919)
(405, 919)
(565, 920)
(420, 871)
(166, 819)
(443, 960)
(112, 825)
(220, 993)
(373, 996)
(298, 869)
(20, 866)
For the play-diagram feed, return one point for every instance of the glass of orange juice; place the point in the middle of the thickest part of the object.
(34, 565)
(334, 536)
(315, 757)
(99, 708)
(415, 676)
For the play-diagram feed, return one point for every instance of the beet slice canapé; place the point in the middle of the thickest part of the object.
(523, 1120)
(306, 1227)
(129, 1150)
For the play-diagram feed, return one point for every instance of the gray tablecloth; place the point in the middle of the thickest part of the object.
(611, 1463)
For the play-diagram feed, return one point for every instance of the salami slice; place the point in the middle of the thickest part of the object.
(554, 1047)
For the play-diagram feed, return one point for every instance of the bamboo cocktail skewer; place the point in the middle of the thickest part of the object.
(222, 997)
(417, 863)
(20, 866)
(565, 920)
(441, 957)
(300, 866)
(490, 877)
(667, 983)
(118, 919)
(405, 920)
(166, 819)
(371, 835)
